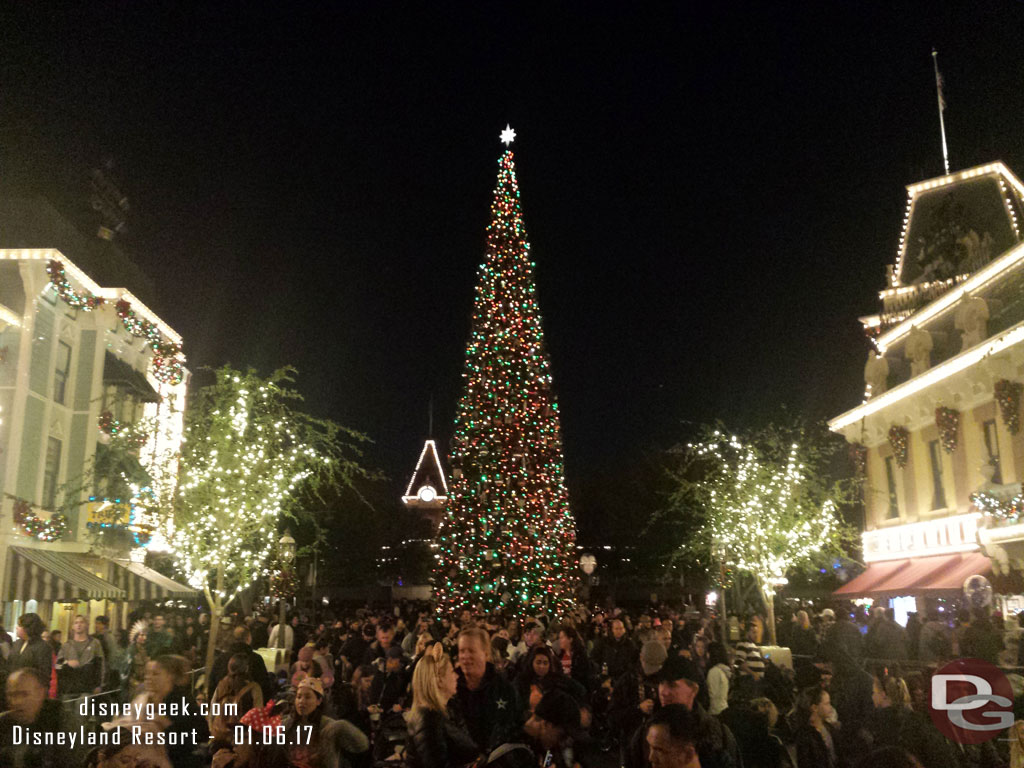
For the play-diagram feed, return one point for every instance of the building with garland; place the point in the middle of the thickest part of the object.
(938, 435)
(82, 365)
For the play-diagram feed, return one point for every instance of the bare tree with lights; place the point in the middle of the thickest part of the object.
(247, 453)
(765, 507)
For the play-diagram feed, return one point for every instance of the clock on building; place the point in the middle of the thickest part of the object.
(426, 494)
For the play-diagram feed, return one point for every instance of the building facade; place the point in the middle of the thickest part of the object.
(938, 436)
(80, 364)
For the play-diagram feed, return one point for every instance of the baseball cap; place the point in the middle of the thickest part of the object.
(652, 656)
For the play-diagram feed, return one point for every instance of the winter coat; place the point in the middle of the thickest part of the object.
(491, 712)
(438, 741)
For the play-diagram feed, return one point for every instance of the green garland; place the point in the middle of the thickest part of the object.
(167, 365)
(948, 422)
(45, 530)
(899, 439)
(83, 301)
(1008, 395)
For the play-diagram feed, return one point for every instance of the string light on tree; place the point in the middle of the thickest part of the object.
(245, 454)
(762, 514)
(508, 539)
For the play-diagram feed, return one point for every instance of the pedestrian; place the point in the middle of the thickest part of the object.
(803, 640)
(325, 741)
(30, 709)
(438, 737)
(113, 654)
(30, 650)
(572, 656)
(671, 738)
(235, 693)
(718, 678)
(554, 729)
(615, 654)
(815, 738)
(81, 664)
(635, 695)
(487, 701)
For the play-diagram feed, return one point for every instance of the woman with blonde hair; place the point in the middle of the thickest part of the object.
(437, 738)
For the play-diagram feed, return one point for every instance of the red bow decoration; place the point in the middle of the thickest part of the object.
(261, 718)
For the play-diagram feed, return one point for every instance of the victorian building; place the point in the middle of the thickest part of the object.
(938, 436)
(81, 364)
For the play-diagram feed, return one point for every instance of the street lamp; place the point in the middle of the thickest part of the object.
(588, 563)
(286, 551)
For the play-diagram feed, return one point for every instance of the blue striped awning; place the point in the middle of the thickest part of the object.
(47, 576)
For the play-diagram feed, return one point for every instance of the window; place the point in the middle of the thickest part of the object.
(938, 491)
(992, 445)
(60, 373)
(890, 479)
(51, 474)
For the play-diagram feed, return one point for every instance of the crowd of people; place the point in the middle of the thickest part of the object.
(659, 688)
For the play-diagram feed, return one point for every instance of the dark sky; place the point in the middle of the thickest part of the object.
(712, 193)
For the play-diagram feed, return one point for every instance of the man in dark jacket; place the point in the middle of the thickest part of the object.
(716, 746)
(378, 650)
(241, 639)
(616, 654)
(29, 708)
(486, 700)
(885, 639)
(635, 695)
(260, 631)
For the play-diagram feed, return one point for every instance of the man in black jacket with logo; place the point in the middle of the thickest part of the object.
(486, 700)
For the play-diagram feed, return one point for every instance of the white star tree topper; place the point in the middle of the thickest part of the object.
(508, 135)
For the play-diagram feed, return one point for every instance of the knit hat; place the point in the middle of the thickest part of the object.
(312, 683)
(679, 668)
(559, 709)
(652, 656)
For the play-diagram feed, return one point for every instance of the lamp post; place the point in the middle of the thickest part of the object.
(588, 563)
(287, 553)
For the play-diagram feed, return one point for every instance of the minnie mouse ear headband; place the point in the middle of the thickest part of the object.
(435, 652)
(258, 719)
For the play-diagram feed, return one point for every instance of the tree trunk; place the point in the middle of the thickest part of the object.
(216, 609)
(769, 611)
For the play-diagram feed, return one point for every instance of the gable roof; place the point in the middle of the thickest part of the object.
(987, 200)
(428, 472)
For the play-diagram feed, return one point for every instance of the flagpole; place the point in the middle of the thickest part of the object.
(942, 108)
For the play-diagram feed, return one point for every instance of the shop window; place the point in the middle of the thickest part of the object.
(890, 479)
(992, 446)
(61, 372)
(51, 473)
(938, 489)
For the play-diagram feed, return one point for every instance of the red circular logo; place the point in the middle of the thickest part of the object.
(970, 701)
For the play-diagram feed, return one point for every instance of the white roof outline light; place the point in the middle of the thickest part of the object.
(432, 447)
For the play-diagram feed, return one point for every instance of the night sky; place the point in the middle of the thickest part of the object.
(711, 194)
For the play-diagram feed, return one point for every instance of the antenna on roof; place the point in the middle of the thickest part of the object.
(942, 108)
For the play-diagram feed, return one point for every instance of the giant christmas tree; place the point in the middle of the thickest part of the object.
(508, 540)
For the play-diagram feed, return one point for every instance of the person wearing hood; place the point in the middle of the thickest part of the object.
(554, 729)
(486, 700)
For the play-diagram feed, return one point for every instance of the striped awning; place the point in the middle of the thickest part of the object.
(47, 576)
(142, 583)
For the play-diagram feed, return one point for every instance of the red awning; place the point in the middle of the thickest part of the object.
(918, 576)
(875, 574)
(954, 577)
